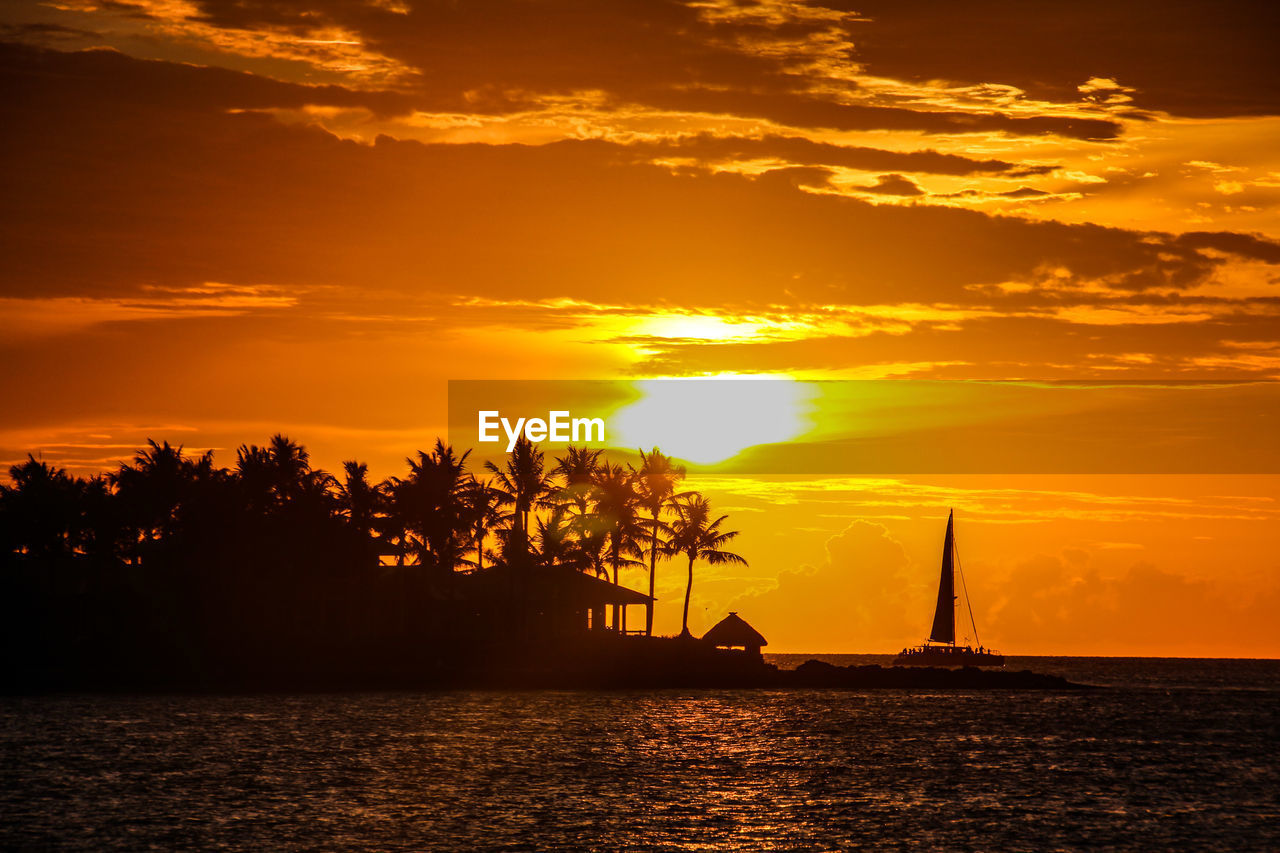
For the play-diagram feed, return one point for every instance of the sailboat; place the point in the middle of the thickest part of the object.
(941, 649)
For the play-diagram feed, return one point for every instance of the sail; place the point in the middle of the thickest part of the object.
(944, 618)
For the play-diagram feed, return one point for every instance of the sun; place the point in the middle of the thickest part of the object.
(711, 420)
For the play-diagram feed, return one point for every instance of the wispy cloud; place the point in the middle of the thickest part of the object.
(60, 315)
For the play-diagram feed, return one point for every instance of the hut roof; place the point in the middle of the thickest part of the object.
(593, 590)
(558, 583)
(733, 630)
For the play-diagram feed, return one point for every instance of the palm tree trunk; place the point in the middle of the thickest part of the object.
(688, 591)
(522, 534)
(617, 609)
(653, 568)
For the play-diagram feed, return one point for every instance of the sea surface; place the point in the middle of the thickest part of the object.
(1173, 755)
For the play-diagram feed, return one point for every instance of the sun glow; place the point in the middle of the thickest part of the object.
(706, 327)
(711, 420)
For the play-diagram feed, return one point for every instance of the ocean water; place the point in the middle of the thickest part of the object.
(1174, 755)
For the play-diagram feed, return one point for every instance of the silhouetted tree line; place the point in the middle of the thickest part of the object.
(174, 568)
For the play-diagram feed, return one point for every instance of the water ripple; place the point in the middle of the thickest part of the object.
(764, 770)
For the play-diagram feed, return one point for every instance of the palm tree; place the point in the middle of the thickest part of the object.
(698, 537)
(360, 501)
(431, 504)
(315, 493)
(290, 468)
(363, 505)
(153, 486)
(577, 467)
(483, 502)
(555, 541)
(526, 485)
(255, 475)
(99, 535)
(654, 484)
(38, 511)
(593, 535)
(279, 473)
(615, 509)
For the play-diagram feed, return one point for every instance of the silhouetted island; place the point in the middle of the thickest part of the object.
(171, 573)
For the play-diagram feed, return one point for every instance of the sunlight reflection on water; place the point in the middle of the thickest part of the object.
(689, 769)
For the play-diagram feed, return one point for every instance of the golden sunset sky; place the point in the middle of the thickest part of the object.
(229, 218)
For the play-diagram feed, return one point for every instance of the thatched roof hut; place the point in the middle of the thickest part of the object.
(733, 632)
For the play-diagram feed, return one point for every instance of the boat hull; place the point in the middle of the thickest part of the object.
(948, 656)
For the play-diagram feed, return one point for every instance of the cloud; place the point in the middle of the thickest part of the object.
(998, 347)
(1025, 192)
(93, 81)
(1003, 500)
(1098, 47)
(43, 33)
(790, 65)
(802, 111)
(240, 198)
(893, 185)
(376, 242)
(1250, 246)
(61, 315)
(237, 197)
(860, 597)
(801, 151)
(1047, 603)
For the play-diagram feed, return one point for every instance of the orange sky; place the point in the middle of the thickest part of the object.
(225, 219)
